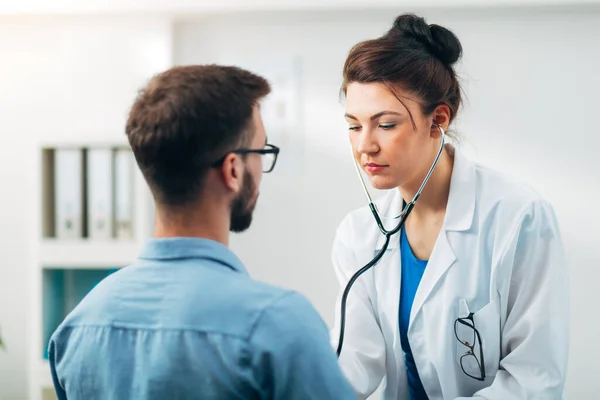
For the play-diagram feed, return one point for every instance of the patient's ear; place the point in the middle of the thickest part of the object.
(232, 172)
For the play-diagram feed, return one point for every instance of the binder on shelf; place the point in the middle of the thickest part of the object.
(123, 195)
(100, 193)
(48, 194)
(68, 193)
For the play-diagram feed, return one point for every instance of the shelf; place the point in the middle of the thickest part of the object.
(105, 233)
(88, 142)
(44, 385)
(62, 290)
(87, 254)
(43, 374)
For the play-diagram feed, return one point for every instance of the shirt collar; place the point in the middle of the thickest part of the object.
(178, 248)
(460, 211)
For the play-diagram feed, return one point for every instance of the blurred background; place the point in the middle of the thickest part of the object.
(69, 71)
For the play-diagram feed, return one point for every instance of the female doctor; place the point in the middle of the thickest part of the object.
(470, 298)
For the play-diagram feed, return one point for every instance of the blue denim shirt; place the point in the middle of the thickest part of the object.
(187, 322)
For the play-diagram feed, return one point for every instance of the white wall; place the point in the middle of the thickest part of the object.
(530, 76)
(61, 79)
(531, 83)
(186, 7)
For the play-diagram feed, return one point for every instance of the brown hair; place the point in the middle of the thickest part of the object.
(413, 56)
(185, 119)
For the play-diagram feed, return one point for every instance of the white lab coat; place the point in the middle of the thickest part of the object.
(499, 255)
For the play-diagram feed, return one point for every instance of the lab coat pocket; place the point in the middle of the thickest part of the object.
(478, 338)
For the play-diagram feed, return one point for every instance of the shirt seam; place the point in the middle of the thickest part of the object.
(147, 329)
(213, 259)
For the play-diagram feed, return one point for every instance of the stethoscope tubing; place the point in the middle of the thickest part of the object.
(388, 234)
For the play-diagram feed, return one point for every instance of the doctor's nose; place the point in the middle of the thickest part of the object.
(366, 143)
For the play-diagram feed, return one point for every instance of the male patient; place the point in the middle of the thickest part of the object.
(185, 321)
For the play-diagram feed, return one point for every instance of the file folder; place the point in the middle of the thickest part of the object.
(123, 194)
(100, 193)
(69, 193)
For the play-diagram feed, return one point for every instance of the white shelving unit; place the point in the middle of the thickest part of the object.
(73, 257)
(85, 253)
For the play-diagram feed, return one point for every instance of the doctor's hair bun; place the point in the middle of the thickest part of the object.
(411, 57)
(439, 41)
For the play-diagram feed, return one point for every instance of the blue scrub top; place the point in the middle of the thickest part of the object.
(412, 272)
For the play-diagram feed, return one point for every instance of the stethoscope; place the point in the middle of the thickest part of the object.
(406, 209)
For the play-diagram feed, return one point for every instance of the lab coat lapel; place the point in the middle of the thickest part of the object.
(387, 274)
(440, 261)
(459, 217)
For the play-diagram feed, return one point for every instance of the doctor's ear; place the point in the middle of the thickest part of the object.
(441, 116)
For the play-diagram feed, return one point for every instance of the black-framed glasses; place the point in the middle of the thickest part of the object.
(268, 156)
(468, 341)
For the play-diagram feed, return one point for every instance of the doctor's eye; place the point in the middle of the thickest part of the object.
(387, 126)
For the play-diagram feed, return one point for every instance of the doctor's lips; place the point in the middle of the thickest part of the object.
(374, 168)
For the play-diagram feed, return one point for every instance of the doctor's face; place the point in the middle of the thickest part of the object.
(385, 143)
